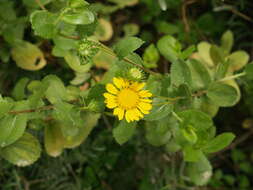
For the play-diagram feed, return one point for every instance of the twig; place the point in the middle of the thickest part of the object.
(184, 14)
(44, 108)
(40, 4)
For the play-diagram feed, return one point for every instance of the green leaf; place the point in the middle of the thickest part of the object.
(127, 46)
(159, 111)
(227, 41)
(221, 70)
(200, 172)
(189, 134)
(28, 56)
(77, 3)
(19, 90)
(90, 120)
(74, 63)
(180, 73)
(157, 132)
(53, 139)
(204, 53)
(69, 116)
(238, 60)
(219, 142)
(81, 17)
(124, 131)
(43, 23)
(200, 75)
(56, 90)
(23, 152)
(151, 56)
(169, 47)
(12, 127)
(222, 95)
(196, 119)
(95, 98)
(192, 155)
(249, 71)
(38, 94)
(5, 106)
(216, 54)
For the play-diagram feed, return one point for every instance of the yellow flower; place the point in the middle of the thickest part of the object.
(128, 99)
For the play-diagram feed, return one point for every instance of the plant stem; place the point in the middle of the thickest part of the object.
(232, 77)
(177, 117)
(109, 51)
(40, 4)
(44, 108)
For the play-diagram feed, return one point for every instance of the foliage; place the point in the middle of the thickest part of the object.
(63, 53)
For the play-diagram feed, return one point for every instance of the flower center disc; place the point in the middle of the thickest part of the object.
(127, 98)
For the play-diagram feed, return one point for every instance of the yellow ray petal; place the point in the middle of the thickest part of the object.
(111, 104)
(111, 88)
(146, 100)
(109, 96)
(142, 110)
(138, 113)
(145, 94)
(119, 82)
(121, 114)
(137, 86)
(145, 106)
(128, 116)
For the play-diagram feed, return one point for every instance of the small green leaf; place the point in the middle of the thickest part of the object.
(43, 23)
(74, 63)
(151, 56)
(196, 119)
(12, 127)
(5, 106)
(19, 90)
(56, 90)
(158, 132)
(127, 46)
(53, 139)
(216, 54)
(28, 56)
(82, 17)
(219, 142)
(227, 41)
(249, 71)
(189, 134)
(221, 70)
(180, 73)
(23, 152)
(204, 53)
(238, 60)
(169, 47)
(222, 95)
(77, 3)
(191, 154)
(200, 75)
(95, 98)
(159, 110)
(124, 131)
(90, 120)
(200, 172)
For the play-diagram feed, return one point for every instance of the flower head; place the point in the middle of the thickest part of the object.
(128, 99)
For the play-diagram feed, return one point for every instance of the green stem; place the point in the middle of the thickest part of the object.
(109, 51)
(232, 77)
(177, 117)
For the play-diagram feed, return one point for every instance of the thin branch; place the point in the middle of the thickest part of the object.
(44, 108)
(184, 13)
(40, 4)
